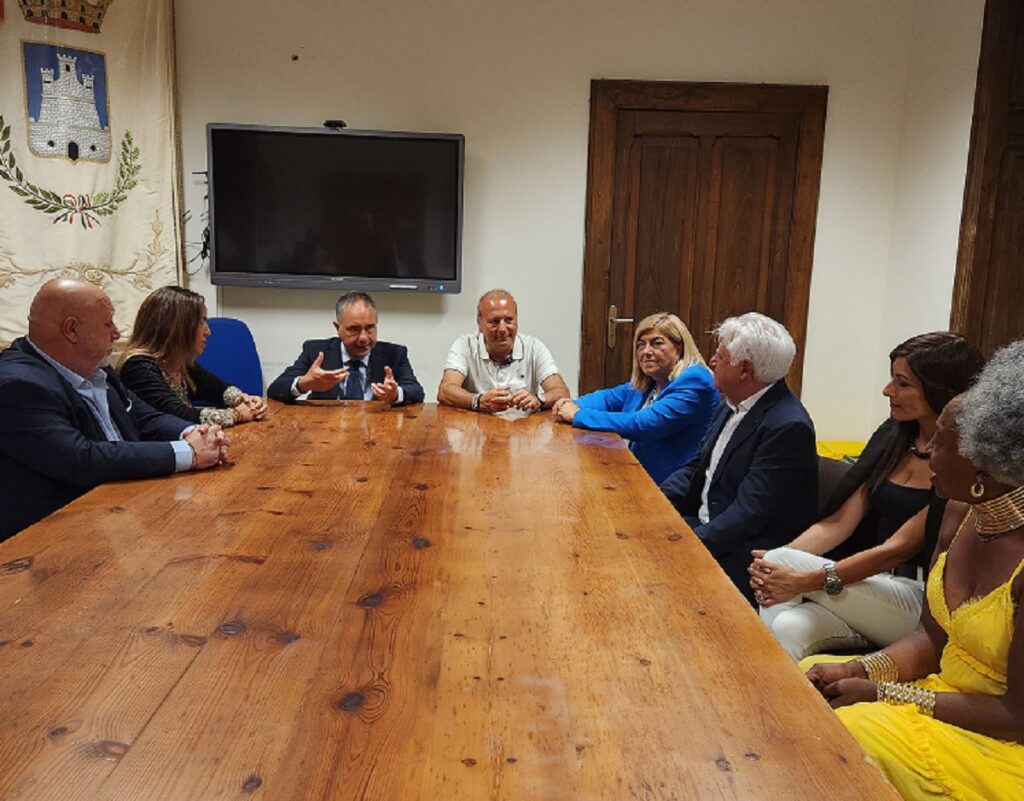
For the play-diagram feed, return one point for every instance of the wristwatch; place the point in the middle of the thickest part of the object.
(476, 402)
(833, 584)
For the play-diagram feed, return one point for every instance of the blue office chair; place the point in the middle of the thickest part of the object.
(231, 355)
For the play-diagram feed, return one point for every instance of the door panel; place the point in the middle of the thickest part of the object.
(1001, 322)
(743, 189)
(659, 223)
(692, 211)
(990, 261)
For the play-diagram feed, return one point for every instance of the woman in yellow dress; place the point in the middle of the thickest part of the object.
(941, 710)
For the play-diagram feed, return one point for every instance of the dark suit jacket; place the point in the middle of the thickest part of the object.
(384, 354)
(765, 488)
(52, 449)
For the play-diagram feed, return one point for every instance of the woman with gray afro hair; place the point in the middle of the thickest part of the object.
(941, 711)
(992, 418)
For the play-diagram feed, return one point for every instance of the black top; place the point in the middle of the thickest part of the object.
(891, 505)
(143, 376)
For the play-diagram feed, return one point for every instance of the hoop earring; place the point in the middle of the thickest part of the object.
(977, 488)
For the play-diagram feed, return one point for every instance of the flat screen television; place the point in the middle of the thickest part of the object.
(324, 208)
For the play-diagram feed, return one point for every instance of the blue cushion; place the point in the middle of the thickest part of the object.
(231, 354)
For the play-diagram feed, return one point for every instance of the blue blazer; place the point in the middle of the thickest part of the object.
(384, 354)
(663, 436)
(52, 450)
(765, 488)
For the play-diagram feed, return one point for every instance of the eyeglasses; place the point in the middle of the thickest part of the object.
(655, 343)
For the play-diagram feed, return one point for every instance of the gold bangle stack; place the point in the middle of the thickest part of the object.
(879, 667)
(901, 694)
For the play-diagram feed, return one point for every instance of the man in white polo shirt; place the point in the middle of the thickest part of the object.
(498, 369)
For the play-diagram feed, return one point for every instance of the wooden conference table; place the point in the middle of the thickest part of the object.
(420, 603)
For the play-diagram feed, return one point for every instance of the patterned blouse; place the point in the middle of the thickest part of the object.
(147, 379)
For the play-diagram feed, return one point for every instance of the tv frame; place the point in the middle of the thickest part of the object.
(338, 283)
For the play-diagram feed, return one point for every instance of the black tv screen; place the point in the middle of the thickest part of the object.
(339, 209)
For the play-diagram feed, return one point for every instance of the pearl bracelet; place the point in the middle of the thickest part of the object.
(902, 694)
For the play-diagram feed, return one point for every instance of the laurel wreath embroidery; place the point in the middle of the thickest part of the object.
(68, 206)
(140, 271)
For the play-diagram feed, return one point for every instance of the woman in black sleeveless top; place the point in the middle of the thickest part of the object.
(852, 579)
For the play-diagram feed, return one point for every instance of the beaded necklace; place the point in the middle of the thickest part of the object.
(180, 388)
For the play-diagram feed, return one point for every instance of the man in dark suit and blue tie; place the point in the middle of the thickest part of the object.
(753, 483)
(353, 365)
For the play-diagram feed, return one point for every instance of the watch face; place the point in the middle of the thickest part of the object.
(833, 584)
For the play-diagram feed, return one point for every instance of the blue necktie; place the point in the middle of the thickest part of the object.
(353, 386)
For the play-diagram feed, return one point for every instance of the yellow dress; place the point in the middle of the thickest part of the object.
(925, 758)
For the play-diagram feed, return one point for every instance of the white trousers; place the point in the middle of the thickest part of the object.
(874, 612)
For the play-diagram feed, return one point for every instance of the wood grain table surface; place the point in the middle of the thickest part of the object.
(419, 603)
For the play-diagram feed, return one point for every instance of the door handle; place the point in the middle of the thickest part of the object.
(613, 320)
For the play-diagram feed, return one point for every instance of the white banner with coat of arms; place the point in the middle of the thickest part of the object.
(88, 159)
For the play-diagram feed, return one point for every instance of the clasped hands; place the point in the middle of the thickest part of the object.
(316, 379)
(843, 683)
(501, 398)
(209, 446)
(774, 583)
(564, 410)
(249, 407)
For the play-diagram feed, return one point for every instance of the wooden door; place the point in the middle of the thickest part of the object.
(989, 281)
(701, 202)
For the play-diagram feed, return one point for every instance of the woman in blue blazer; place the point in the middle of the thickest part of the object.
(664, 409)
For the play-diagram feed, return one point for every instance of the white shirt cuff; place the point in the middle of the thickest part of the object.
(182, 454)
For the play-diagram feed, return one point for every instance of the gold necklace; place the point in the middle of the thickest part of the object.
(999, 516)
(177, 385)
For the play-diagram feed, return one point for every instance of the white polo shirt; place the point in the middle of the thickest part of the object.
(529, 365)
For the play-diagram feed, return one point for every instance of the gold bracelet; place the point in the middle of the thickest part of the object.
(903, 694)
(195, 455)
(879, 667)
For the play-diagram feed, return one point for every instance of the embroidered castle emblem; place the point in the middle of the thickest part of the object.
(66, 91)
(78, 15)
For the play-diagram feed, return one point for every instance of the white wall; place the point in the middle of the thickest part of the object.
(938, 105)
(514, 78)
